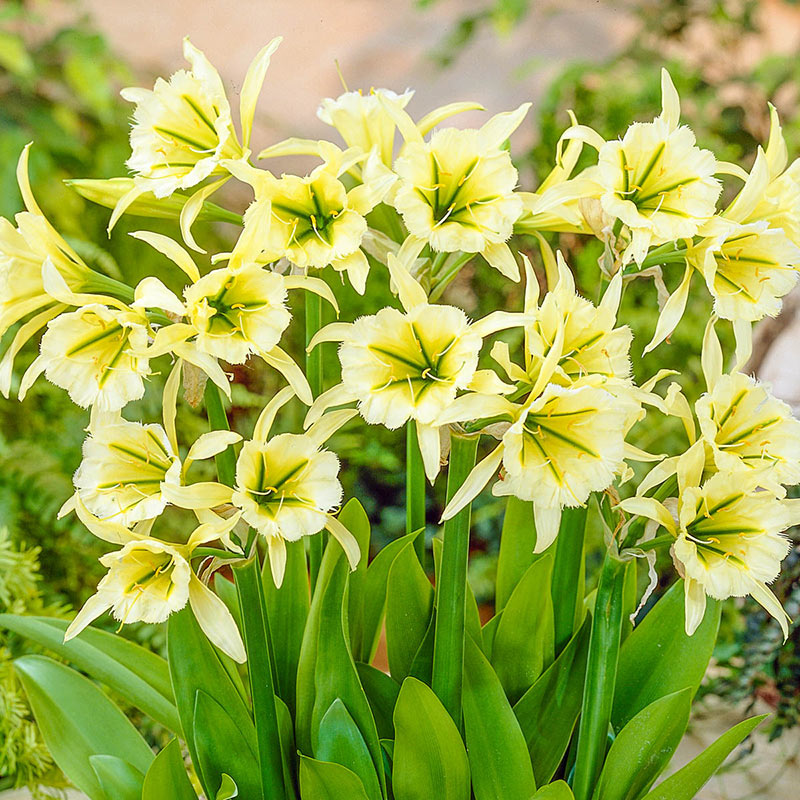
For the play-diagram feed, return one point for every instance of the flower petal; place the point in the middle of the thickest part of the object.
(481, 474)
(216, 621)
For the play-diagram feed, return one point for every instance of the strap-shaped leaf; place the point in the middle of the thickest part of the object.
(516, 548)
(658, 658)
(355, 519)
(167, 779)
(524, 642)
(374, 606)
(78, 721)
(341, 742)
(409, 605)
(118, 778)
(644, 747)
(136, 674)
(429, 756)
(552, 704)
(689, 780)
(195, 665)
(222, 749)
(554, 791)
(323, 780)
(336, 675)
(382, 692)
(498, 754)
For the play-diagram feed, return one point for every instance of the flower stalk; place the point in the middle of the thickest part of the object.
(567, 587)
(415, 491)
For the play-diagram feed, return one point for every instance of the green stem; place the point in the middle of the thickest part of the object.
(262, 684)
(636, 528)
(664, 257)
(517, 542)
(415, 491)
(654, 544)
(568, 579)
(601, 675)
(442, 281)
(451, 585)
(315, 375)
(218, 421)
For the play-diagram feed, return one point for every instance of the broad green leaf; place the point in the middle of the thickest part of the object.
(222, 749)
(119, 779)
(658, 658)
(629, 597)
(307, 665)
(690, 779)
(553, 704)
(336, 675)
(227, 789)
(488, 632)
(409, 603)
(382, 691)
(524, 642)
(429, 756)
(136, 674)
(341, 742)
(497, 751)
(323, 780)
(167, 779)
(287, 609)
(195, 665)
(554, 791)
(569, 575)
(516, 549)
(288, 747)
(77, 721)
(374, 606)
(644, 747)
(355, 519)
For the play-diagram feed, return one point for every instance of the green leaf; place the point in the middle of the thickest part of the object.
(167, 779)
(554, 791)
(227, 789)
(287, 609)
(690, 779)
(382, 692)
(288, 747)
(569, 575)
(524, 642)
(644, 747)
(138, 675)
(119, 779)
(488, 632)
(14, 55)
(322, 780)
(658, 658)
(429, 756)
(552, 704)
(222, 749)
(336, 675)
(498, 754)
(374, 606)
(195, 665)
(516, 549)
(408, 610)
(341, 742)
(77, 721)
(355, 519)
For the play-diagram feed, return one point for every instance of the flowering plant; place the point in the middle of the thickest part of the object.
(270, 679)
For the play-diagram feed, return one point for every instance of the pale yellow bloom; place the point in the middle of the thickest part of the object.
(456, 190)
(124, 469)
(314, 221)
(149, 579)
(96, 354)
(363, 121)
(287, 486)
(728, 535)
(410, 364)
(656, 180)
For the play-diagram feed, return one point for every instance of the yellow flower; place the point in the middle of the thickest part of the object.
(656, 180)
(124, 470)
(23, 253)
(363, 121)
(314, 221)
(728, 535)
(183, 128)
(232, 313)
(456, 190)
(287, 486)
(410, 364)
(149, 579)
(96, 355)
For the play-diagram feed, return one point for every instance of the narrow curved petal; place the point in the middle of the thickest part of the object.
(251, 88)
(94, 607)
(267, 417)
(649, 508)
(286, 365)
(346, 539)
(672, 312)
(216, 621)
(481, 474)
(172, 250)
(431, 449)
(205, 494)
(328, 424)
